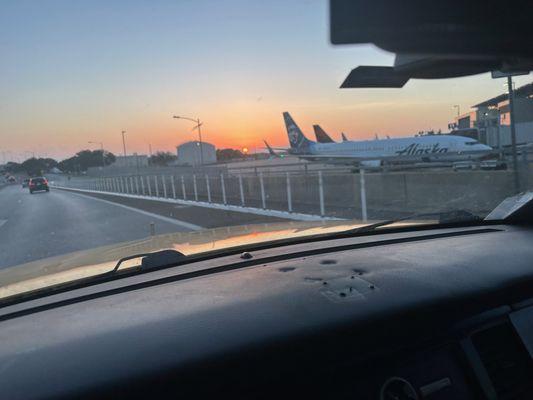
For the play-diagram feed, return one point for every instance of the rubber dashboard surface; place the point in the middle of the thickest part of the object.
(303, 310)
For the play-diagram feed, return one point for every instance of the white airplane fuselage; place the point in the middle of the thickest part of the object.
(425, 148)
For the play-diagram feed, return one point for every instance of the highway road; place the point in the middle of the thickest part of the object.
(47, 224)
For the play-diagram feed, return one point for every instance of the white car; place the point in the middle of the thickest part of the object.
(463, 165)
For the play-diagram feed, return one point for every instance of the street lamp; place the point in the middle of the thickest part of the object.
(458, 109)
(124, 144)
(101, 148)
(198, 125)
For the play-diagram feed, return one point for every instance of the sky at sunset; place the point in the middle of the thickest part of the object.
(73, 72)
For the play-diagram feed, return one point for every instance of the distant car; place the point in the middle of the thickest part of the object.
(493, 164)
(25, 183)
(11, 179)
(462, 165)
(38, 184)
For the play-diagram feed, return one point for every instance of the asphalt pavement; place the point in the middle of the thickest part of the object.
(40, 225)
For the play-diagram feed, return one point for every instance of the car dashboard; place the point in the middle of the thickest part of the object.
(420, 314)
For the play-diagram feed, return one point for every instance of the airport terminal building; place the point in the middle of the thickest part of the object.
(490, 119)
(196, 153)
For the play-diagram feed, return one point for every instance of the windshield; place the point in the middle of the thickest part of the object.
(178, 117)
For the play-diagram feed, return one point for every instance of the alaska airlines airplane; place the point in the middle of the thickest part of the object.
(372, 153)
(321, 135)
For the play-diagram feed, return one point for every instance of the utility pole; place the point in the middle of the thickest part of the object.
(513, 133)
(200, 140)
(458, 110)
(124, 144)
(198, 125)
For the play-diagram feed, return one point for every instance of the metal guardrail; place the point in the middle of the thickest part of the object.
(362, 196)
(291, 193)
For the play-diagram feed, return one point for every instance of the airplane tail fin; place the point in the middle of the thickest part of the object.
(270, 150)
(321, 135)
(299, 143)
(344, 138)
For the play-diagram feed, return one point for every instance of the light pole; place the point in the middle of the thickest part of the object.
(513, 133)
(198, 125)
(102, 149)
(124, 144)
(458, 111)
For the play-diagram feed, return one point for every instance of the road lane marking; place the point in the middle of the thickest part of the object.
(178, 222)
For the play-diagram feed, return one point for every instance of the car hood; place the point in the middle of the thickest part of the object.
(62, 269)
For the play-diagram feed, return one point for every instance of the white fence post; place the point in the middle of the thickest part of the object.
(208, 188)
(195, 187)
(262, 184)
(363, 194)
(172, 179)
(183, 192)
(241, 190)
(321, 192)
(149, 184)
(137, 184)
(223, 188)
(156, 186)
(143, 190)
(121, 184)
(131, 184)
(164, 186)
(289, 193)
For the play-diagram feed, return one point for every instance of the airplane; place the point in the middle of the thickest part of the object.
(321, 135)
(271, 151)
(373, 153)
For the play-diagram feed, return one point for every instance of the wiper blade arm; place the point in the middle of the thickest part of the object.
(444, 217)
(155, 259)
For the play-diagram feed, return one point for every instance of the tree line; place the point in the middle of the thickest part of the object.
(78, 163)
(85, 159)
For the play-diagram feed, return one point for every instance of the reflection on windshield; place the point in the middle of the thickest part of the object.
(153, 125)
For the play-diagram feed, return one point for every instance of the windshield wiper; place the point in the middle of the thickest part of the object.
(156, 259)
(445, 217)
